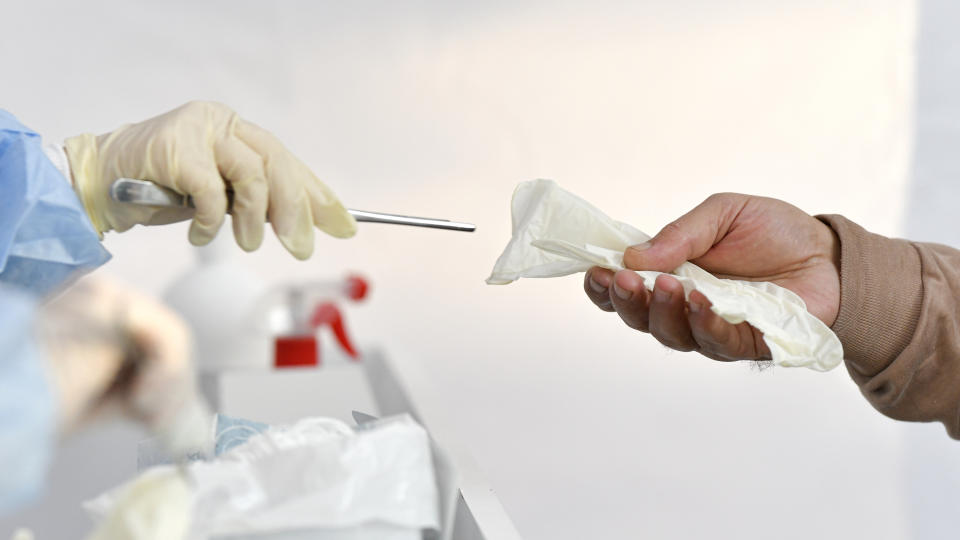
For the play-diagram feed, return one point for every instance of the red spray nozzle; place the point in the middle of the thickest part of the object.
(357, 287)
(327, 313)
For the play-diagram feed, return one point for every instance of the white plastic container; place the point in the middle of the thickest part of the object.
(381, 387)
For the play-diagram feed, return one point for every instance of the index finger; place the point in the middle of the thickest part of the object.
(203, 182)
(596, 283)
(687, 238)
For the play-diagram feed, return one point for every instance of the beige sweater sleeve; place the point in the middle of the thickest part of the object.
(899, 323)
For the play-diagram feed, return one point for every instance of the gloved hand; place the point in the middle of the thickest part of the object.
(113, 352)
(731, 236)
(195, 149)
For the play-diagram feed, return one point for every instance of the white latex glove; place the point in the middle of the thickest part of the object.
(195, 149)
(155, 506)
(88, 333)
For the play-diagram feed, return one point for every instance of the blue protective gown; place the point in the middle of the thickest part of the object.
(45, 239)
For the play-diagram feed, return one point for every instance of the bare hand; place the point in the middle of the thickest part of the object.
(732, 236)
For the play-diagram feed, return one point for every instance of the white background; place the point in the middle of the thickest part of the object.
(585, 428)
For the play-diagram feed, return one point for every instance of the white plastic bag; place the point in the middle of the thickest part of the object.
(317, 478)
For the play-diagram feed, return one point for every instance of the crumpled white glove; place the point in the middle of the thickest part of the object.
(194, 150)
(114, 352)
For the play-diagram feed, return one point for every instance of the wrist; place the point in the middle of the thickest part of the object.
(829, 243)
(82, 156)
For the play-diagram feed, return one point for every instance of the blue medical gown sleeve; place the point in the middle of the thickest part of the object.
(27, 404)
(45, 234)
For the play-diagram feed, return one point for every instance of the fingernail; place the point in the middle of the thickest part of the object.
(641, 247)
(602, 278)
(596, 286)
(695, 307)
(621, 293)
(660, 295)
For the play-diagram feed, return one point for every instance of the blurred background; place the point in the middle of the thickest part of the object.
(583, 427)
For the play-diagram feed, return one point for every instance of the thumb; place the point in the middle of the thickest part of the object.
(685, 239)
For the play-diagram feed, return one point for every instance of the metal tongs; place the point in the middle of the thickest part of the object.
(147, 193)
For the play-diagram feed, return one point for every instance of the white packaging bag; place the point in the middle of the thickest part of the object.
(556, 233)
(317, 478)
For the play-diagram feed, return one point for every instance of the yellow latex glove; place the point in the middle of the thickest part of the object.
(88, 334)
(195, 149)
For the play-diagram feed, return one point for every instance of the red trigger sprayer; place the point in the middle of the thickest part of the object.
(301, 310)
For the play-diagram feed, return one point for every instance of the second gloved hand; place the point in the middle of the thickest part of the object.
(114, 352)
(197, 149)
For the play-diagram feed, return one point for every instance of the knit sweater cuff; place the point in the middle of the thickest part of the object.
(880, 296)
